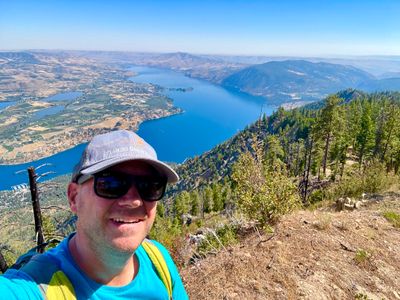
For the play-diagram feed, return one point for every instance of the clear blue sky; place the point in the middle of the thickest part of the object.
(297, 27)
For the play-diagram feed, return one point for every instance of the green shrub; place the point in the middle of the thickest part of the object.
(165, 231)
(375, 178)
(393, 218)
(361, 296)
(317, 196)
(362, 256)
(355, 182)
(221, 237)
(8, 147)
(262, 195)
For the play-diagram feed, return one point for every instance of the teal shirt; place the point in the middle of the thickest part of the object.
(16, 284)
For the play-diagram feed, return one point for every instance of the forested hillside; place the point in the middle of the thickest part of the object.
(340, 152)
(296, 80)
(323, 139)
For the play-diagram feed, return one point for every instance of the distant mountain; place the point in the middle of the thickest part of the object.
(295, 80)
(389, 75)
(213, 69)
(182, 60)
(198, 66)
(18, 58)
(387, 84)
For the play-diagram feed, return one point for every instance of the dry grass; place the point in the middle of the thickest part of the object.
(311, 255)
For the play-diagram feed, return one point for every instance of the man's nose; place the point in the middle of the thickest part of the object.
(131, 198)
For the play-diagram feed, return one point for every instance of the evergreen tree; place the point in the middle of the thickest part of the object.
(326, 125)
(340, 146)
(194, 203)
(274, 153)
(390, 130)
(207, 199)
(217, 197)
(365, 136)
(181, 205)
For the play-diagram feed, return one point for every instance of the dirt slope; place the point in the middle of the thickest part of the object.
(312, 255)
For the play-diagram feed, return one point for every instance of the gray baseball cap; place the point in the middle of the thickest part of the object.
(109, 149)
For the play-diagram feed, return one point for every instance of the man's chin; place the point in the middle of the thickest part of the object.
(126, 245)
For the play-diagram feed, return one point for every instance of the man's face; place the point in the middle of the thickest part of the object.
(113, 224)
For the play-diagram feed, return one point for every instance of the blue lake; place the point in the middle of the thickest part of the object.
(63, 96)
(54, 109)
(212, 114)
(60, 163)
(6, 104)
(47, 112)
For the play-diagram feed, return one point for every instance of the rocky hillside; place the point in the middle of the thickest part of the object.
(321, 254)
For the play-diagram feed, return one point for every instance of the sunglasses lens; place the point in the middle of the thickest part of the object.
(113, 186)
(151, 189)
(110, 186)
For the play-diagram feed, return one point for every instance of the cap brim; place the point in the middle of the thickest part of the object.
(161, 167)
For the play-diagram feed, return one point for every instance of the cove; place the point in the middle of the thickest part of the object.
(212, 114)
(6, 104)
(58, 164)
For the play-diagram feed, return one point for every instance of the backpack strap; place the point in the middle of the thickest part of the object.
(51, 281)
(159, 263)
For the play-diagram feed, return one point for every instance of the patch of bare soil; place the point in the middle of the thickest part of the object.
(311, 255)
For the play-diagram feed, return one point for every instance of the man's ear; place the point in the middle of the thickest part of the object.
(72, 194)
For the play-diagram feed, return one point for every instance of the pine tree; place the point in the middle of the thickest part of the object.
(217, 197)
(365, 136)
(340, 146)
(194, 203)
(181, 205)
(207, 199)
(274, 153)
(326, 125)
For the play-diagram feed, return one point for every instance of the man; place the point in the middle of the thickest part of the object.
(114, 192)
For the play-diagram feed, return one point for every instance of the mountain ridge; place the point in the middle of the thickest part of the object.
(295, 80)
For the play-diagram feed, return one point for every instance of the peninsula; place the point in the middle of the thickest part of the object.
(36, 126)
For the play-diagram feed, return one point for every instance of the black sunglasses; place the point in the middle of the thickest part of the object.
(113, 185)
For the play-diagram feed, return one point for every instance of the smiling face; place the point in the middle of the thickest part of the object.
(113, 224)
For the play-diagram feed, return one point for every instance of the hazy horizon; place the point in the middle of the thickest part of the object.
(333, 56)
(246, 28)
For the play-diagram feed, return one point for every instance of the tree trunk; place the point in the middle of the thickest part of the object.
(387, 144)
(36, 210)
(325, 159)
(297, 170)
(306, 177)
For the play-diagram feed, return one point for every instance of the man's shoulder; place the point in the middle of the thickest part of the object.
(16, 284)
(21, 280)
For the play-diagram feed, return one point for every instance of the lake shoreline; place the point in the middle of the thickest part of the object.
(200, 115)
